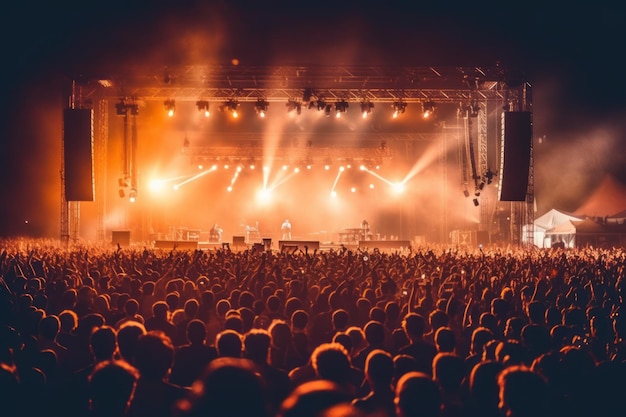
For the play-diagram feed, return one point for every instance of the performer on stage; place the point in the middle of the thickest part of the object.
(365, 229)
(286, 229)
(215, 234)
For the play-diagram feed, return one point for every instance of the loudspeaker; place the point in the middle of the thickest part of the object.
(121, 237)
(515, 155)
(78, 154)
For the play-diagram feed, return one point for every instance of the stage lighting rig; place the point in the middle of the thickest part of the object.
(398, 108)
(261, 107)
(293, 105)
(320, 104)
(124, 108)
(170, 107)
(429, 109)
(473, 109)
(230, 106)
(341, 107)
(203, 107)
(489, 175)
(366, 108)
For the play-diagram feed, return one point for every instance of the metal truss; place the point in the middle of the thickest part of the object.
(283, 83)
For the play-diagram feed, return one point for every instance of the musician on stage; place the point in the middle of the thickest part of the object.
(365, 229)
(215, 234)
(286, 229)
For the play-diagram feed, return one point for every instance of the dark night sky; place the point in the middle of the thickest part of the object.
(571, 54)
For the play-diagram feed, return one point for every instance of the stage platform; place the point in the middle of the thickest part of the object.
(290, 246)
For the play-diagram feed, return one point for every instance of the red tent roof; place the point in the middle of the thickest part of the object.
(607, 199)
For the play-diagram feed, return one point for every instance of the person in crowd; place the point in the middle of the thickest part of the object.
(111, 386)
(554, 313)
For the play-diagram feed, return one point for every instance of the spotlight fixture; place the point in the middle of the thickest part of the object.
(366, 108)
(398, 108)
(132, 196)
(307, 94)
(320, 103)
(169, 107)
(230, 106)
(466, 192)
(327, 109)
(293, 105)
(123, 108)
(473, 109)
(341, 107)
(489, 175)
(475, 201)
(261, 107)
(203, 107)
(134, 109)
(429, 108)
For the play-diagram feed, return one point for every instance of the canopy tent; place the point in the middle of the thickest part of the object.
(548, 221)
(606, 200)
(588, 232)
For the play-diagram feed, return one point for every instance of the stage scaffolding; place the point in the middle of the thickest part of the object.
(489, 88)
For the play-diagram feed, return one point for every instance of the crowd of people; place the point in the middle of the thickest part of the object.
(97, 330)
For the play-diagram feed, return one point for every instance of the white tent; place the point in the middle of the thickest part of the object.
(548, 221)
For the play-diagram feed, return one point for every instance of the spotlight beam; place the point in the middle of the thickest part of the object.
(339, 172)
(385, 180)
(195, 177)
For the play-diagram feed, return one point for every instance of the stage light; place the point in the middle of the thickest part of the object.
(466, 192)
(203, 107)
(327, 109)
(341, 107)
(398, 187)
(429, 108)
(333, 194)
(169, 107)
(327, 164)
(132, 196)
(294, 105)
(264, 195)
(321, 104)
(121, 108)
(398, 108)
(475, 201)
(353, 190)
(230, 106)
(307, 94)
(473, 109)
(261, 107)
(296, 170)
(156, 185)
(489, 175)
(366, 108)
